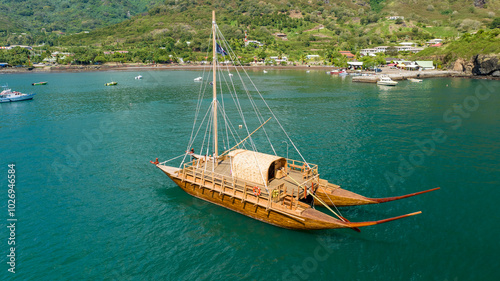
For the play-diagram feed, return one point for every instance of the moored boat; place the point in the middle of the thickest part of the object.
(415, 80)
(386, 81)
(138, 77)
(7, 95)
(198, 79)
(111, 84)
(39, 83)
(264, 186)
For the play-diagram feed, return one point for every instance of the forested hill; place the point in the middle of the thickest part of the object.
(72, 16)
(67, 15)
(159, 30)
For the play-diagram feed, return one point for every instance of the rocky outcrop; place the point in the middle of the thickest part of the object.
(485, 65)
(479, 3)
(463, 65)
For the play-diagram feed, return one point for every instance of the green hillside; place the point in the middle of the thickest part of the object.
(68, 15)
(181, 28)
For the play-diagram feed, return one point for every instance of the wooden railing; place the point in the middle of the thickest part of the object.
(301, 166)
(230, 185)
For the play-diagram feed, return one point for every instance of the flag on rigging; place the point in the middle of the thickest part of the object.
(220, 50)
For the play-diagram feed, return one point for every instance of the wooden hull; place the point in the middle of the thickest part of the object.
(301, 217)
(309, 219)
(334, 195)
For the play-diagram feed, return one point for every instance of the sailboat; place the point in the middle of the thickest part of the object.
(263, 186)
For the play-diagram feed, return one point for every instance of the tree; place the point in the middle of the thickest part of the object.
(495, 23)
(391, 51)
(303, 58)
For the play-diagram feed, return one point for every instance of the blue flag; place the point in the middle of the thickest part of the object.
(220, 50)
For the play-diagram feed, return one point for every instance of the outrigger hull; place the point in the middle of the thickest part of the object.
(333, 195)
(306, 219)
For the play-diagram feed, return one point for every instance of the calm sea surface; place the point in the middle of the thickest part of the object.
(90, 206)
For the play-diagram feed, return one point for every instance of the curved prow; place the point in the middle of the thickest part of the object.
(388, 199)
(368, 223)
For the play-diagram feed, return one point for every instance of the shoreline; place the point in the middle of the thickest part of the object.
(394, 74)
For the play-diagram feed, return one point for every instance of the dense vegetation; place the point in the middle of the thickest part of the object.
(68, 15)
(483, 42)
(174, 29)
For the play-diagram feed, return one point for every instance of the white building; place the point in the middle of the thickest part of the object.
(312, 56)
(408, 44)
(247, 42)
(408, 49)
(434, 41)
(278, 60)
(365, 52)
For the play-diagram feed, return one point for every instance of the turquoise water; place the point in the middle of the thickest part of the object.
(90, 206)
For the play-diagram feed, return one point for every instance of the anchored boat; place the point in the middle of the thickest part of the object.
(7, 95)
(39, 83)
(264, 186)
(111, 84)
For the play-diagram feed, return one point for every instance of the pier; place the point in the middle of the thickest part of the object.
(408, 74)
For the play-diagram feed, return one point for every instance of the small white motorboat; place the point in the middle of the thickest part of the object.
(386, 81)
(198, 79)
(265, 71)
(138, 77)
(414, 80)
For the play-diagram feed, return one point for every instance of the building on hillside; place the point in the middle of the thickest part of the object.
(13, 46)
(312, 57)
(278, 60)
(381, 49)
(254, 43)
(348, 54)
(395, 17)
(408, 49)
(425, 64)
(112, 52)
(434, 41)
(437, 45)
(368, 51)
(282, 36)
(408, 44)
(3, 64)
(61, 55)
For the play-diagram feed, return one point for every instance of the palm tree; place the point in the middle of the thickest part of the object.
(303, 58)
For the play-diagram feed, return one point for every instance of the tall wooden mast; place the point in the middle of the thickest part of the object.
(216, 149)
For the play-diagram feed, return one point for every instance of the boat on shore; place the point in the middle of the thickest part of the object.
(111, 84)
(386, 81)
(7, 95)
(264, 186)
(39, 83)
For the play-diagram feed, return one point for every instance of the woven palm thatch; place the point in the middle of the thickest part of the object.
(254, 166)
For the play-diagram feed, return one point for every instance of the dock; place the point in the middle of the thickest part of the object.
(408, 74)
